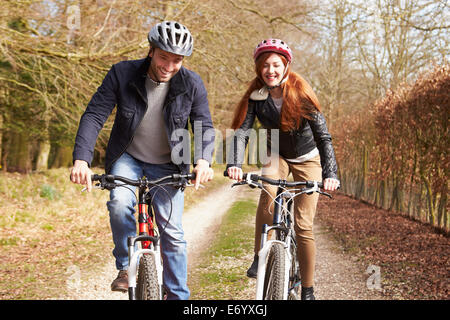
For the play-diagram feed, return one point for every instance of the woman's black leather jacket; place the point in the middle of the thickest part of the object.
(311, 133)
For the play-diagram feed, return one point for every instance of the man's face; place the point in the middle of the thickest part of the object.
(164, 65)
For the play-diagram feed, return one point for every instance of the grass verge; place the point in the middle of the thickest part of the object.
(222, 274)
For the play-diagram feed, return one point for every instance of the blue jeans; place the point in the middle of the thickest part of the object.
(123, 224)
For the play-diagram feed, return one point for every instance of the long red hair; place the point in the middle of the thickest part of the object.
(299, 100)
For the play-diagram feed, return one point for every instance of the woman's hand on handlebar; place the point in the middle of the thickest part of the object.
(235, 173)
(81, 174)
(330, 184)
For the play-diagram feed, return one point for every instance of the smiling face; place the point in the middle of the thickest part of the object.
(272, 70)
(164, 65)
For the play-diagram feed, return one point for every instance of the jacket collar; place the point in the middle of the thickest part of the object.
(260, 94)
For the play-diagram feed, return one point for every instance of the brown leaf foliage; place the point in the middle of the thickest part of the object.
(414, 259)
(405, 135)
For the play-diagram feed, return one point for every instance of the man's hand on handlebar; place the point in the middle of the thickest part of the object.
(203, 173)
(81, 174)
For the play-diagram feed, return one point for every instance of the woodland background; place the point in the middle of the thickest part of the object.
(380, 69)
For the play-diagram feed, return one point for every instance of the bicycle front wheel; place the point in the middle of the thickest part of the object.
(147, 280)
(275, 273)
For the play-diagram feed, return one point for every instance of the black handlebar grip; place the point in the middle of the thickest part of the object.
(225, 173)
(101, 177)
(96, 177)
(191, 176)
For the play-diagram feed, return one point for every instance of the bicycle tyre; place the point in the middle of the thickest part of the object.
(147, 279)
(275, 273)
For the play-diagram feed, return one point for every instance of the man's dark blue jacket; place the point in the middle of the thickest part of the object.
(124, 87)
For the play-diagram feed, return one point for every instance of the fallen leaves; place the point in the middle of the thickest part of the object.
(414, 259)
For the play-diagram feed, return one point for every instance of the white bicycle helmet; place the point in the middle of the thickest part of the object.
(173, 37)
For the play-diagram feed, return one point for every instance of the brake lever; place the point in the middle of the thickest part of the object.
(240, 183)
(326, 194)
(315, 188)
(252, 185)
(256, 185)
(191, 185)
(96, 186)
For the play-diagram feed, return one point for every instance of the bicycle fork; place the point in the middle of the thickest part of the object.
(134, 256)
(149, 245)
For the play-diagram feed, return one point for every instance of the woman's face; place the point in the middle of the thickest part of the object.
(272, 70)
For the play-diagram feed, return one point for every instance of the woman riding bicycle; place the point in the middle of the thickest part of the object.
(281, 99)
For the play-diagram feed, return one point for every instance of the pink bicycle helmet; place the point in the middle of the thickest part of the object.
(273, 45)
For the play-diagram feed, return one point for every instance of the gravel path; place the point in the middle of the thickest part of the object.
(338, 277)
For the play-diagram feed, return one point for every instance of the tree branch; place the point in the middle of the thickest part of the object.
(268, 18)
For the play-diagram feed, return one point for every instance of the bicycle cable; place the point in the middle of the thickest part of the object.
(284, 207)
(124, 185)
(170, 200)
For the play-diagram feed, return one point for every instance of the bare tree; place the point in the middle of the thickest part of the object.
(392, 49)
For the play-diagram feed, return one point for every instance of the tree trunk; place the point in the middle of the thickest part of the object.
(360, 193)
(411, 183)
(399, 193)
(19, 156)
(63, 157)
(442, 208)
(394, 198)
(44, 152)
(431, 213)
(419, 203)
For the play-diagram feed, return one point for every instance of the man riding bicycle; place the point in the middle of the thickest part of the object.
(155, 97)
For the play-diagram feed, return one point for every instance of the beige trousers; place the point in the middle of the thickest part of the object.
(304, 210)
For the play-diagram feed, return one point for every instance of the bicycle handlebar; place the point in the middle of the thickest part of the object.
(282, 183)
(252, 179)
(108, 181)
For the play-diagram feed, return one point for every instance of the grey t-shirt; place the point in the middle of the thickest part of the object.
(150, 143)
